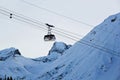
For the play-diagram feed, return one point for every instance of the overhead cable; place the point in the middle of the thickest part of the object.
(102, 48)
(45, 9)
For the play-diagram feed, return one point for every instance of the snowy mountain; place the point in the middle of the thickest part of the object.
(12, 63)
(95, 57)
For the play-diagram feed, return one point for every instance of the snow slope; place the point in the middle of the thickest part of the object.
(95, 57)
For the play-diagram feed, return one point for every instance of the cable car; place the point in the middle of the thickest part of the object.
(49, 36)
(11, 15)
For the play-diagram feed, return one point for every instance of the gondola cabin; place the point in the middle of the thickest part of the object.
(11, 15)
(49, 36)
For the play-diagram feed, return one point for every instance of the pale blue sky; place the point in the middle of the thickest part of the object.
(29, 39)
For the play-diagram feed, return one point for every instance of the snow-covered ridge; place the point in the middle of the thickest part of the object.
(106, 35)
(12, 63)
(95, 57)
(55, 52)
(10, 52)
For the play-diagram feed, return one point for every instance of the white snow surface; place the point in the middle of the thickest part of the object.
(95, 57)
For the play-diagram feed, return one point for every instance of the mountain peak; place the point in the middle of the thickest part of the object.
(106, 35)
(59, 47)
(113, 18)
(10, 52)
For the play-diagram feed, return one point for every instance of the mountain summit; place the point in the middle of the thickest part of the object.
(7, 53)
(95, 57)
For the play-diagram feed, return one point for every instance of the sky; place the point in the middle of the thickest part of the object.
(29, 39)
